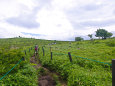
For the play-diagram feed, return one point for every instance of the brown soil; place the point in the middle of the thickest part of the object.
(46, 80)
(34, 60)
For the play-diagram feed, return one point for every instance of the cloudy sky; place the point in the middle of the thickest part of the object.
(55, 19)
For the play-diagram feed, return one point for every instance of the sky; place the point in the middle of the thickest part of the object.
(55, 19)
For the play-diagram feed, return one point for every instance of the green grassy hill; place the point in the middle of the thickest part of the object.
(91, 61)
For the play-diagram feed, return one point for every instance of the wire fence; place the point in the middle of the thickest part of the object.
(22, 59)
(25, 51)
(12, 68)
(77, 57)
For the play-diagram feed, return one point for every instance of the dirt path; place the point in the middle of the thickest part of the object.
(44, 80)
(34, 60)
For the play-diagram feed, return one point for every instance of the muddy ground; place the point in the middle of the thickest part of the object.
(45, 80)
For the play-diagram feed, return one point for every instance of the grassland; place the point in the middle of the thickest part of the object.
(82, 72)
(11, 51)
(79, 72)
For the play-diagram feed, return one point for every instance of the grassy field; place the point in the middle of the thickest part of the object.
(11, 51)
(80, 72)
(92, 71)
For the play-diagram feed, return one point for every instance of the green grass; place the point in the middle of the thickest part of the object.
(81, 72)
(11, 51)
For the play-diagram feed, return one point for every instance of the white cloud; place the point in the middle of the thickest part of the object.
(8, 8)
(29, 3)
(55, 19)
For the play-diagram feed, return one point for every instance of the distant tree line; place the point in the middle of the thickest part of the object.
(101, 33)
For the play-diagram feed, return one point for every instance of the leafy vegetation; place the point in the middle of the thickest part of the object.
(11, 51)
(78, 39)
(90, 36)
(103, 33)
(79, 72)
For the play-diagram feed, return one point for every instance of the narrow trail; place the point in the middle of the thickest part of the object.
(43, 80)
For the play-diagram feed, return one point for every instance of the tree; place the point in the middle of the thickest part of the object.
(90, 35)
(109, 34)
(103, 33)
(78, 39)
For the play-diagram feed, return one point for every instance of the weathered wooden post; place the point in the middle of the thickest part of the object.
(51, 55)
(25, 52)
(43, 50)
(23, 58)
(113, 72)
(70, 58)
(29, 49)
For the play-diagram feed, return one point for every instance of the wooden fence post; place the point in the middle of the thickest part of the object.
(51, 55)
(113, 72)
(23, 58)
(43, 51)
(29, 49)
(25, 52)
(70, 58)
